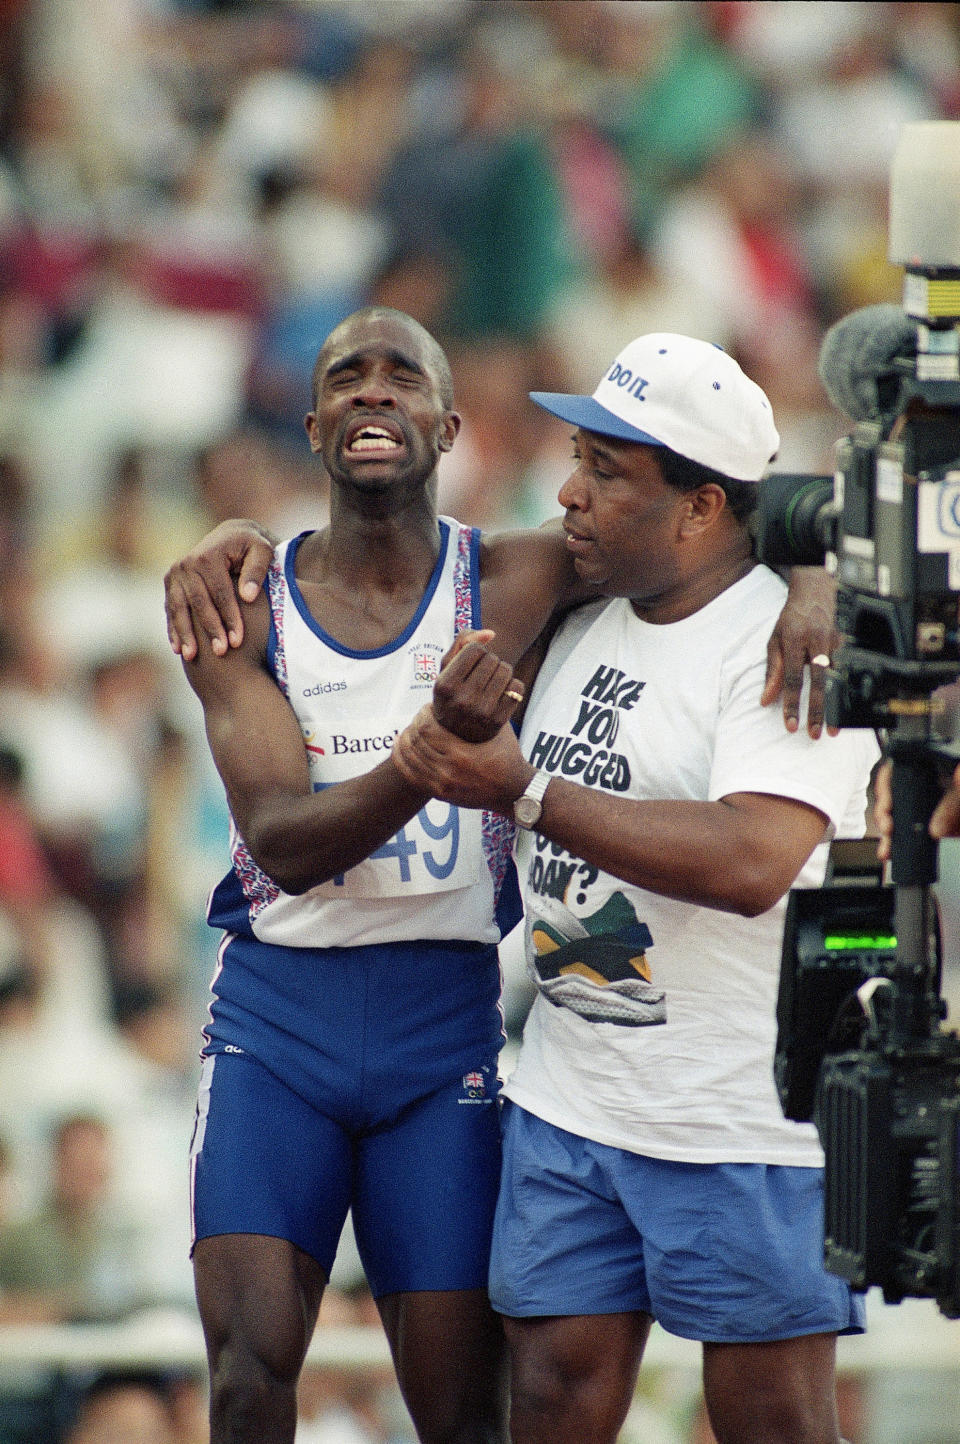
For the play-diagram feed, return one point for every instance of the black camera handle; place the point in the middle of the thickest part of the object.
(917, 766)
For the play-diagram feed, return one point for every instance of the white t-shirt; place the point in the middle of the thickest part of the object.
(659, 1036)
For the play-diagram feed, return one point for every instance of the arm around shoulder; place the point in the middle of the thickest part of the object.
(526, 578)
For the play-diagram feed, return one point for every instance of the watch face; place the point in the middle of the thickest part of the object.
(527, 811)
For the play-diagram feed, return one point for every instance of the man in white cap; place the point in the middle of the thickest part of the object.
(649, 1172)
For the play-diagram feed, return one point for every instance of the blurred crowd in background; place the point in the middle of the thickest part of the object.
(191, 195)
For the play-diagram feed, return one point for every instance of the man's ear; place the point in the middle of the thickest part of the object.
(702, 509)
(449, 430)
(313, 430)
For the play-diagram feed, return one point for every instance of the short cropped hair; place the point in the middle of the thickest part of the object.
(686, 475)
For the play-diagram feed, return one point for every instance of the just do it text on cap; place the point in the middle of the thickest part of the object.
(682, 393)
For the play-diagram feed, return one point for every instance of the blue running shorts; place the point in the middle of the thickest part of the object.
(721, 1252)
(422, 1184)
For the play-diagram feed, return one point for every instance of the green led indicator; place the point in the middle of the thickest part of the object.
(849, 942)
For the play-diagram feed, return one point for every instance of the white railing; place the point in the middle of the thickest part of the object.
(912, 1335)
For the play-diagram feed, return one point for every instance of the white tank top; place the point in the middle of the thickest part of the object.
(439, 876)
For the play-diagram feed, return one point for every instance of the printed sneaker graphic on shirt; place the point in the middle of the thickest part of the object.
(596, 966)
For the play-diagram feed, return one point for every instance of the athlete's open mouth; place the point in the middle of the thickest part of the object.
(369, 438)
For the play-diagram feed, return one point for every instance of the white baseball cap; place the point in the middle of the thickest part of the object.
(678, 392)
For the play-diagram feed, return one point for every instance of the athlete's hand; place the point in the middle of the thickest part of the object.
(805, 633)
(475, 693)
(202, 588)
(483, 635)
(486, 774)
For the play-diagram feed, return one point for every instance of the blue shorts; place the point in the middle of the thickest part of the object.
(422, 1184)
(720, 1252)
(360, 1032)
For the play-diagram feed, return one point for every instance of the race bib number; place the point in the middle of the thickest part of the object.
(437, 850)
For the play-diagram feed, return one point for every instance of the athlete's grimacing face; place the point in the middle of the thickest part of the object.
(621, 518)
(380, 416)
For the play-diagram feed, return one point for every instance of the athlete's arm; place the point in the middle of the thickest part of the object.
(739, 854)
(526, 579)
(297, 836)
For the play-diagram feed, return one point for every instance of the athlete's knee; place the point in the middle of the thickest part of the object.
(469, 1431)
(471, 1411)
(246, 1390)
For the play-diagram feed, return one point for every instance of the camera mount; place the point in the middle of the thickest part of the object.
(861, 1049)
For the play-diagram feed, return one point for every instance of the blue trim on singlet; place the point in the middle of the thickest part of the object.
(508, 901)
(475, 536)
(273, 641)
(318, 631)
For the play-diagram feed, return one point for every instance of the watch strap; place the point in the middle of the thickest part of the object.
(527, 808)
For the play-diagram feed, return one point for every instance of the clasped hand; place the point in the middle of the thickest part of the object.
(461, 748)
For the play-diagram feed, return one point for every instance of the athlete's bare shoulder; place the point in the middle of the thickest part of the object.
(525, 577)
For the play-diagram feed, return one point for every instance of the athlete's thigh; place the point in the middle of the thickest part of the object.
(425, 1192)
(258, 1300)
(450, 1356)
(266, 1162)
(772, 1392)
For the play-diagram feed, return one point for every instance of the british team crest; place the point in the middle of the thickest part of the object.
(426, 661)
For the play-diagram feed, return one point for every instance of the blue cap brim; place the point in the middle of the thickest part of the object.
(589, 415)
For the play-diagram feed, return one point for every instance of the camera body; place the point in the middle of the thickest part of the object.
(880, 1078)
(862, 1050)
(887, 524)
(889, 1120)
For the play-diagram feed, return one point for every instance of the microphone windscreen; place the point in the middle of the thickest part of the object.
(858, 355)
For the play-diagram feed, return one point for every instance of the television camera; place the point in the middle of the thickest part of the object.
(862, 1049)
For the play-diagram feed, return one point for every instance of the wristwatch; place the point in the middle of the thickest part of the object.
(529, 805)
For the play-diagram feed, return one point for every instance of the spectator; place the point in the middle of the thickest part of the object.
(74, 1258)
(124, 1409)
